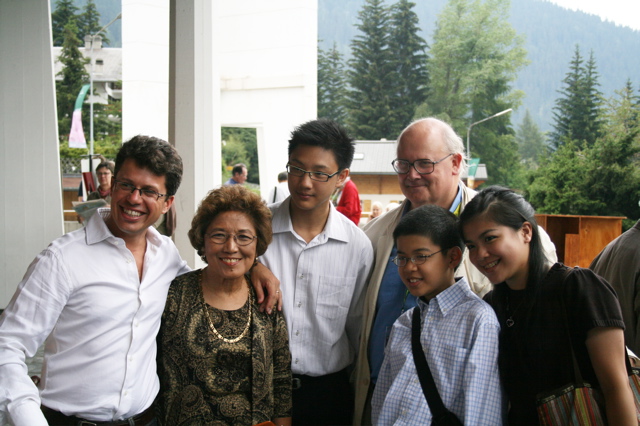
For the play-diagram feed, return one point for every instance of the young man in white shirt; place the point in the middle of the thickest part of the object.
(323, 262)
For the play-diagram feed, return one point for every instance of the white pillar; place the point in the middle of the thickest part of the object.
(194, 98)
(30, 180)
(145, 68)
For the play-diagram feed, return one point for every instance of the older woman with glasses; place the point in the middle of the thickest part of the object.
(221, 360)
(104, 172)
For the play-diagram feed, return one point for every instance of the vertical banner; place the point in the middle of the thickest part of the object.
(76, 137)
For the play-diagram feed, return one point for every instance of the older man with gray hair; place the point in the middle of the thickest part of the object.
(430, 160)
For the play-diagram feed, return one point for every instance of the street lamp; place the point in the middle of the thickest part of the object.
(93, 37)
(478, 122)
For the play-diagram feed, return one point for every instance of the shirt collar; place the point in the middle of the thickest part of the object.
(455, 207)
(335, 228)
(447, 299)
(98, 231)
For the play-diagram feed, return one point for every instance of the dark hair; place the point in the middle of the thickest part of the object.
(237, 169)
(106, 164)
(282, 176)
(156, 155)
(326, 134)
(433, 222)
(504, 207)
(231, 198)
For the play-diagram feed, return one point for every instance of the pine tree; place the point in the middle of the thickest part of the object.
(65, 12)
(410, 60)
(74, 76)
(331, 85)
(371, 76)
(593, 99)
(531, 141)
(89, 22)
(576, 111)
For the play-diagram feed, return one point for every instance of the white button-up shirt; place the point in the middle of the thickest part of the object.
(322, 285)
(101, 319)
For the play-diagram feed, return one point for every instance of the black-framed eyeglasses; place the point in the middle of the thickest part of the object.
(144, 193)
(423, 166)
(220, 237)
(319, 176)
(417, 260)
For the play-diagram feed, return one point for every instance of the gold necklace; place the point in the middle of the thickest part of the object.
(213, 328)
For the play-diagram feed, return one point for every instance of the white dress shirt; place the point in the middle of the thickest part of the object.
(322, 285)
(101, 319)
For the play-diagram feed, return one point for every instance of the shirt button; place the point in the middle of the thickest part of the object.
(131, 359)
(301, 276)
(299, 304)
(297, 332)
(296, 360)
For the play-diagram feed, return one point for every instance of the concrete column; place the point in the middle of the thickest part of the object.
(145, 68)
(30, 180)
(194, 103)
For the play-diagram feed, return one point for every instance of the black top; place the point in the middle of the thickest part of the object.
(534, 353)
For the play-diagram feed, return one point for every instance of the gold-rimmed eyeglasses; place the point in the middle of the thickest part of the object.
(220, 237)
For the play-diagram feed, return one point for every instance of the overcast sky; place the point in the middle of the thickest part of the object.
(622, 12)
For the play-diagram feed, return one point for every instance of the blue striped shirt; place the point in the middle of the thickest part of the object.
(460, 340)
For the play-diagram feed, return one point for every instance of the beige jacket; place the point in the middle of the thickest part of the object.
(380, 232)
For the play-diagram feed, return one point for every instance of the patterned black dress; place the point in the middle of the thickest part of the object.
(207, 381)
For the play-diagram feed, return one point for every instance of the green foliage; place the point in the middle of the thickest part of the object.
(65, 12)
(557, 187)
(331, 85)
(410, 61)
(499, 152)
(601, 179)
(240, 145)
(388, 75)
(89, 22)
(371, 76)
(576, 113)
(74, 76)
(531, 142)
(475, 56)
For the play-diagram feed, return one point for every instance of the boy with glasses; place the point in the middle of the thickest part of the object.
(323, 261)
(458, 332)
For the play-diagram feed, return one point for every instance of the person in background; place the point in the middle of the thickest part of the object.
(390, 207)
(458, 331)
(238, 175)
(280, 191)
(430, 159)
(347, 201)
(538, 304)
(104, 172)
(619, 264)
(323, 261)
(99, 159)
(221, 360)
(376, 210)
